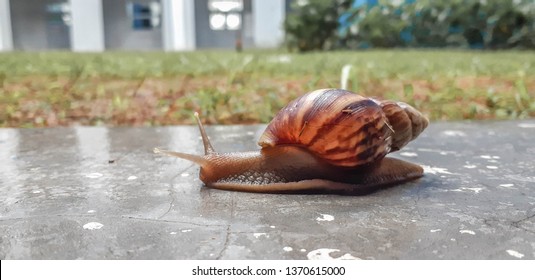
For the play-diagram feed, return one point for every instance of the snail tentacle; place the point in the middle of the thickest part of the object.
(200, 160)
(208, 149)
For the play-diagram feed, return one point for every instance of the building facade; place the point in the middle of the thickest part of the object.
(170, 25)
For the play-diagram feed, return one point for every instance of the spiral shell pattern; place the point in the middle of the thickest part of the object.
(407, 122)
(343, 128)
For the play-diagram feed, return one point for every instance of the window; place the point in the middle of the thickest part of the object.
(144, 16)
(59, 13)
(225, 14)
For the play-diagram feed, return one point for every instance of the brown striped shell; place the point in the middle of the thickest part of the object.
(407, 122)
(343, 128)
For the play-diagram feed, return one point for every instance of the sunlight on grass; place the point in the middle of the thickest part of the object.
(122, 88)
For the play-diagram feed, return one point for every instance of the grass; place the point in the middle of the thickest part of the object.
(121, 88)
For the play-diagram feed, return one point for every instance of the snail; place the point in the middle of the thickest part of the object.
(326, 141)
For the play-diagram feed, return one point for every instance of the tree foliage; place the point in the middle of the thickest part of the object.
(480, 24)
(312, 24)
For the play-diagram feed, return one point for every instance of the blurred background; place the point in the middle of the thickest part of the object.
(170, 25)
(122, 62)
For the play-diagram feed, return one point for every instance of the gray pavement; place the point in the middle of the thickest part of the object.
(100, 193)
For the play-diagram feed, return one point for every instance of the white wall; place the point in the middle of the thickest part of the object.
(87, 31)
(268, 17)
(178, 25)
(6, 37)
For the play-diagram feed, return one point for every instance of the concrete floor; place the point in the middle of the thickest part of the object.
(100, 193)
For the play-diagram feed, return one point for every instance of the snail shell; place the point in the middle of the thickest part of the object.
(340, 127)
(343, 128)
(328, 140)
(406, 122)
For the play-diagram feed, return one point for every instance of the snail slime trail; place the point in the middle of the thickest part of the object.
(326, 141)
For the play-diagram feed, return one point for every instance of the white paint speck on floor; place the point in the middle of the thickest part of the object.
(258, 234)
(94, 175)
(467, 231)
(287, 249)
(515, 254)
(325, 217)
(506, 185)
(325, 254)
(93, 226)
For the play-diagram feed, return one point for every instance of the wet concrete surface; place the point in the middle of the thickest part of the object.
(100, 193)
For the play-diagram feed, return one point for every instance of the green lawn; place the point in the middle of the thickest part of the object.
(127, 88)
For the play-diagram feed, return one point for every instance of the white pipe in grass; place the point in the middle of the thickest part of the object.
(344, 77)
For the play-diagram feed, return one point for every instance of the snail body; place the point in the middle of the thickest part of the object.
(328, 140)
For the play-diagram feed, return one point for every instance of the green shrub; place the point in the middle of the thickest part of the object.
(481, 24)
(377, 26)
(489, 24)
(312, 24)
